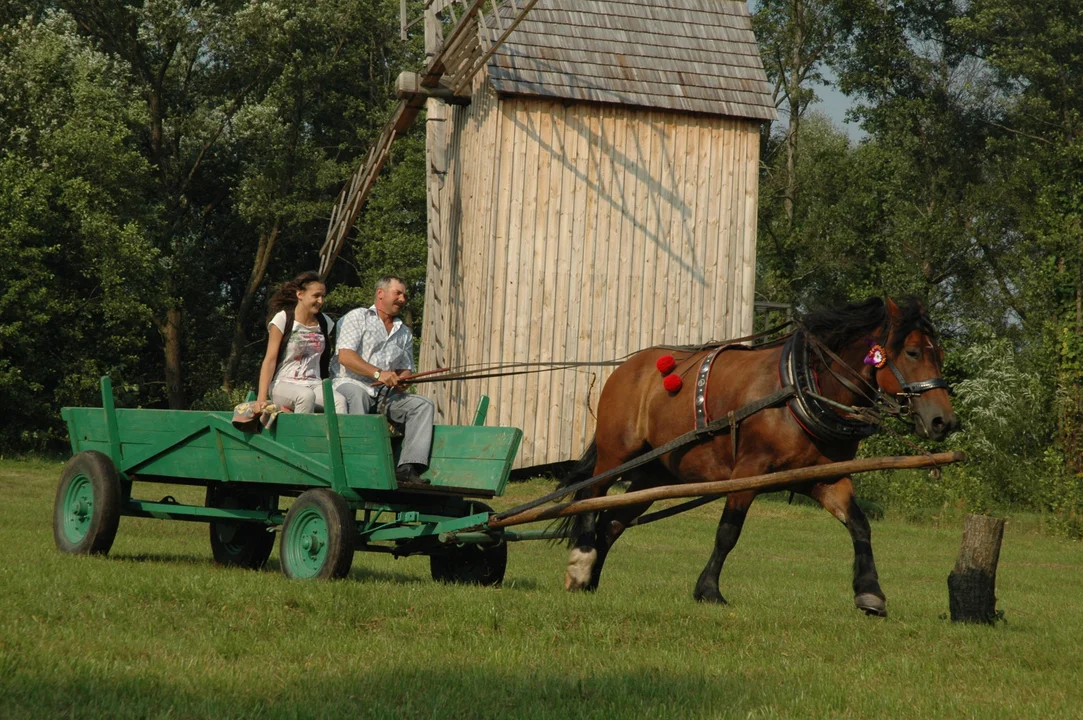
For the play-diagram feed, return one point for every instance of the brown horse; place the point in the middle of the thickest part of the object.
(635, 414)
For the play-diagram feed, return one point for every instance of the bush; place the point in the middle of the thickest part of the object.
(1008, 432)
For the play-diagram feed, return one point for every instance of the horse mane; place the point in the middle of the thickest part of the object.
(838, 327)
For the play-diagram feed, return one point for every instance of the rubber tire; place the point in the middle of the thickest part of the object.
(251, 543)
(106, 494)
(341, 529)
(470, 564)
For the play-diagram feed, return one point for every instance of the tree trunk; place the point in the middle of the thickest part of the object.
(972, 584)
(255, 279)
(793, 92)
(171, 333)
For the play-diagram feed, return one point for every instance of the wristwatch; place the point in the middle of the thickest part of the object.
(376, 375)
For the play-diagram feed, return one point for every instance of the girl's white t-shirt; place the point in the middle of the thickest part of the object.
(304, 346)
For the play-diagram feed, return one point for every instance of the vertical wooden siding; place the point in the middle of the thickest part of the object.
(583, 232)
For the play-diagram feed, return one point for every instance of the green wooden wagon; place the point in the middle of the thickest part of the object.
(339, 468)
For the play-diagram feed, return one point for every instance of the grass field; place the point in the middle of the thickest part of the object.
(157, 630)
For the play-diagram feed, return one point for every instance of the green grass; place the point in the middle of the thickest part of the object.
(156, 629)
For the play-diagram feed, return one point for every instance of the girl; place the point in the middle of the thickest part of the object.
(298, 352)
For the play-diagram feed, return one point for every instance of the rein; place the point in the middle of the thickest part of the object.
(480, 371)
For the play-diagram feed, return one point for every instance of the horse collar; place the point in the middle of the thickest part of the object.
(816, 417)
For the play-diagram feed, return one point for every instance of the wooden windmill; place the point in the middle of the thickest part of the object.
(592, 189)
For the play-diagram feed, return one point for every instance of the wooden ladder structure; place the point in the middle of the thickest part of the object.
(478, 29)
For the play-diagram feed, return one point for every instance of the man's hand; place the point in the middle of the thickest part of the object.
(389, 378)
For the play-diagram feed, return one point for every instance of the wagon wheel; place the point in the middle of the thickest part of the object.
(240, 544)
(86, 512)
(470, 564)
(318, 536)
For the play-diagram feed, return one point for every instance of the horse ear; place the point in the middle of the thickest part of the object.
(893, 310)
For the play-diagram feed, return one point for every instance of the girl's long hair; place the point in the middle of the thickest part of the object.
(286, 294)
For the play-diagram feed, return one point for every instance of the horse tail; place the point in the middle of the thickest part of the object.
(573, 525)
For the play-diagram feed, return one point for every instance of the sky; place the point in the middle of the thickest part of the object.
(834, 104)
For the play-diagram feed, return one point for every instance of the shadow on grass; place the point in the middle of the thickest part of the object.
(358, 573)
(394, 692)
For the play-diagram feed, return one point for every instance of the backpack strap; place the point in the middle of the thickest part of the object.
(286, 331)
(325, 358)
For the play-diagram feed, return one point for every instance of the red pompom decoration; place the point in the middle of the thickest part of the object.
(665, 364)
(672, 383)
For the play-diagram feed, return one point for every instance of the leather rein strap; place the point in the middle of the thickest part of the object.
(692, 436)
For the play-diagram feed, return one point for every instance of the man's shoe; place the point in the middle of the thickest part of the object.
(408, 473)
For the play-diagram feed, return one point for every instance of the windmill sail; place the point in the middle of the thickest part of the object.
(463, 51)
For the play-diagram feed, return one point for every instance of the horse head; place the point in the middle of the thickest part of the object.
(910, 368)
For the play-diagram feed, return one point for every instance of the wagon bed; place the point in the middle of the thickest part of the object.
(345, 464)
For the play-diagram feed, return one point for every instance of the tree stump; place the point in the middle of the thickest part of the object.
(972, 584)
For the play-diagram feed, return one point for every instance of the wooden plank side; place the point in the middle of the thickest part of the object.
(563, 240)
(733, 231)
(677, 277)
(549, 382)
(629, 160)
(604, 304)
(466, 442)
(520, 259)
(752, 180)
(525, 240)
(548, 163)
(708, 198)
(486, 154)
(498, 267)
(596, 276)
(655, 295)
(579, 330)
(687, 228)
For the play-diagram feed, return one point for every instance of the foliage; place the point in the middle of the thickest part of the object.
(78, 278)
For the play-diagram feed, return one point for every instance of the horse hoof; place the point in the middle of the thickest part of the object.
(712, 597)
(580, 563)
(871, 604)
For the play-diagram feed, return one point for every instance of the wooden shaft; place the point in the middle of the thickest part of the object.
(770, 481)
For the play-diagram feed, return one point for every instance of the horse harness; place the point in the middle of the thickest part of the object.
(820, 417)
(817, 415)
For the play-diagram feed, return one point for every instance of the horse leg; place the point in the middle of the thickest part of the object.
(611, 524)
(584, 553)
(729, 530)
(838, 499)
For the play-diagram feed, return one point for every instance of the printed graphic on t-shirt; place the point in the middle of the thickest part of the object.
(305, 345)
(301, 361)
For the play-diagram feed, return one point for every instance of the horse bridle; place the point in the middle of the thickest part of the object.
(916, 388)
(895, 403)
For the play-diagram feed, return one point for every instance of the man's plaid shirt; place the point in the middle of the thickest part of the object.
(363, 331)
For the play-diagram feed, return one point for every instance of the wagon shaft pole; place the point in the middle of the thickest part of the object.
(771, 481)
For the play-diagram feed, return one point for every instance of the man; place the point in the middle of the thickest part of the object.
(375, 358)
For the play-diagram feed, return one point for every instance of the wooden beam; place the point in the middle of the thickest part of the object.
(408, 85)
(763, 483)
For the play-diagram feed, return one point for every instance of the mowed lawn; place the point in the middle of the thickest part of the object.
(157, 630)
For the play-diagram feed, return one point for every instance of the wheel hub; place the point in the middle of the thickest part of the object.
(78, 508)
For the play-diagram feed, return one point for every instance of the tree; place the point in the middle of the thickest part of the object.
(78, 278)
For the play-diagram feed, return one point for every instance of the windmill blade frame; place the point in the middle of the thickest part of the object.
(460, 55)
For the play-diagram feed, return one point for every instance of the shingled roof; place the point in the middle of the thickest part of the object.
(690, 55)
